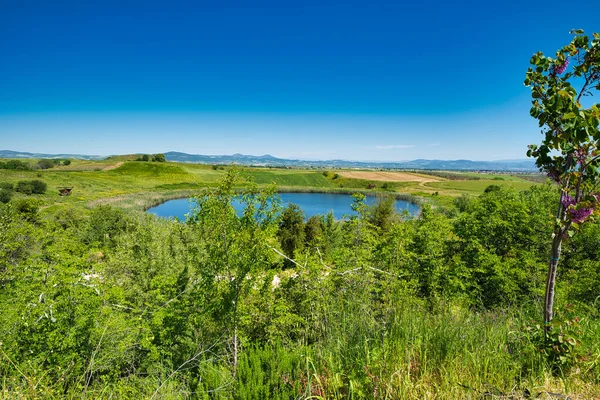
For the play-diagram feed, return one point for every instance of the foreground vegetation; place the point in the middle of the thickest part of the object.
(112, 303)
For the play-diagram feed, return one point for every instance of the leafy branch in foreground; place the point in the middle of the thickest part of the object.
(570, 150)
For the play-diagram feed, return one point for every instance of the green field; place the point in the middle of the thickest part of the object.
(140, 185)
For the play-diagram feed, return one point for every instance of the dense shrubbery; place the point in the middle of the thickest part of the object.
(31, 187)
(15, 165)
(373, 307)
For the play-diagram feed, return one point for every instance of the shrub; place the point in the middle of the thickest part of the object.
(67, 162)
(7, 186)
(44, 164)
(31, 187)
(28, 208)
(15, 165)
(105, 224)
(24, 187)
(39, 187)
(462, 202)
(5, 195)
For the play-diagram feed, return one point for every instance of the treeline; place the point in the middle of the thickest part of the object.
(154, 157)
(268, 305)
(19, 165)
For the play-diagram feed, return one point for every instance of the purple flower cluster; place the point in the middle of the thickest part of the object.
(580, 215)
(561, 68)
(567, 201)
(581, 154)
(577, 215)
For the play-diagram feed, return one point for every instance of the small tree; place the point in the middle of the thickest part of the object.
(291, 231)
(570, 150)
(44, 164)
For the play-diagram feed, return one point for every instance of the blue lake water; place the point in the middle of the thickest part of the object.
(310, 203)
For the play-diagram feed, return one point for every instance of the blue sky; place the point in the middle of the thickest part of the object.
(311, 79)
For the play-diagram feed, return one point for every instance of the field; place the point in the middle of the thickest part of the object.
(388, 176)
(140, 185)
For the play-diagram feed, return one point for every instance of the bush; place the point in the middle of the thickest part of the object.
(24, 187)
(28, 208)
(39, 187)
(105, 224)
(15, 165)
(31, 187)
(7, 186)
(44, 164)
(5, 195)
(67, 162)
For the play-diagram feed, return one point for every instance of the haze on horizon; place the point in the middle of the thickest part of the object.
(381, 82)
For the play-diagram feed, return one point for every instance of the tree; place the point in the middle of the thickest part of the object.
(67, 162)
(291, 231)
(236, 247)
(159, 158)
(383, 213)
(570, 150)
(145, 157)
(44, 164)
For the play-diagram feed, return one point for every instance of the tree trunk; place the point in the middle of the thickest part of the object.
(551, 279)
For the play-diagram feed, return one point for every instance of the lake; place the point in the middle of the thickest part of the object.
(310, 203)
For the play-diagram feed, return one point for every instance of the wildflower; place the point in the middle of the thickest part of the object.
(561, 68)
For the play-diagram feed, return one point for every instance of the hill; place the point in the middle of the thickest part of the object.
(268, 160)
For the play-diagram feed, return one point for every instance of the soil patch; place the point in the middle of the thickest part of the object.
(117, 165)
(387, 176)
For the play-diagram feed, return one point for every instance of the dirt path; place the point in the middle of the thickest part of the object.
(117, 165)
(387, 176)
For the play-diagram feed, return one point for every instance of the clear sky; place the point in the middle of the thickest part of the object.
(359, 80)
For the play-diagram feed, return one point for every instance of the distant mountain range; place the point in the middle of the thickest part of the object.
(24, 154)
(268, 160)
